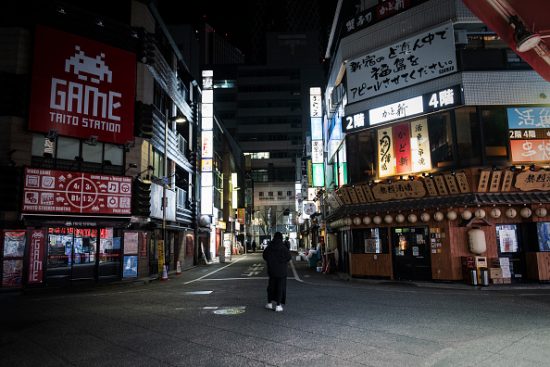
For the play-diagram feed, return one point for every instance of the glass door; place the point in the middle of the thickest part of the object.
(411, 253)
(509, 247)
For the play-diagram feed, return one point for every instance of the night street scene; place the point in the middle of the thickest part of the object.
(161, 161)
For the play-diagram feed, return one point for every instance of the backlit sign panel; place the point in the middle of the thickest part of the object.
(82, 88)
(52, 191)
(529, 132)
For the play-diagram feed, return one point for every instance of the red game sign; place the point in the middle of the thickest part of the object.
(75, 192)
(82, 88)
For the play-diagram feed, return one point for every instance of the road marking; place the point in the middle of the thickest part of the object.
(214, 272)
(296, 276)
(218, 279)
(198, 292)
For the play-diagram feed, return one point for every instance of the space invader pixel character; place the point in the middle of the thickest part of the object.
(84, 66)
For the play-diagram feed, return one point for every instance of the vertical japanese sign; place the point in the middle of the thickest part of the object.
(36, 257)
(317, 146)
(414, 60)
(386, 159)
(402, 147)
(420, 146)
(207, 140)
(529, 129)
(82, 88)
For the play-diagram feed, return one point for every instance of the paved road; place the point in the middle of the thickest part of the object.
(214, 316)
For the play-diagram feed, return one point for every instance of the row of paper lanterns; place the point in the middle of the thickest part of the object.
(438, 216)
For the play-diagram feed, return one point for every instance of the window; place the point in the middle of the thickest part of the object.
(362, 146)
(441, 139)
(270, 194)
(261, 194)
(468, 135)
(92, 153)
(289, 193)
(114, 154)
(279, 193)
(370, 241)
(495, 133)
(68, 148)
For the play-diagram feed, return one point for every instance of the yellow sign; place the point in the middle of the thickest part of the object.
(160, 252)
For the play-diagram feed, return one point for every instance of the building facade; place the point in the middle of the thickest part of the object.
(101, 146)
(436, 147)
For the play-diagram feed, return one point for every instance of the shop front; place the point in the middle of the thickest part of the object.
(411, 253)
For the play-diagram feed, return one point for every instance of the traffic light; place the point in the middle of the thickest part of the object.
(141, 198)
(143, 125)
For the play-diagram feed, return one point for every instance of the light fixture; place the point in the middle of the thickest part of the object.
(179, 119)
(525, 39)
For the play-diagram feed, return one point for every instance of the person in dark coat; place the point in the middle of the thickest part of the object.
(277, 256)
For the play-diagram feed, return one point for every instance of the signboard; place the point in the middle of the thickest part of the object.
(75, 192)
(36, 256)
(157, 194)
(317, 151)
(399, 190)
(529, 129)
(131, 242)
(414, 60)
(527, 181)
(82, 88)
(404, 148)
(427, 103)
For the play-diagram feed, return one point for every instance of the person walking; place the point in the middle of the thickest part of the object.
(277, 256)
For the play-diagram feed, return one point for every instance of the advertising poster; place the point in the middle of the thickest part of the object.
(130, 266)
(12, 274)
(14, 243)
(131, 242)
(543, 232)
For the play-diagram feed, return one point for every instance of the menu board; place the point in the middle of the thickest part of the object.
(76, 192)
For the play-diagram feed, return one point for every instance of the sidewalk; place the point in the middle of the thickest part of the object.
(303, 268)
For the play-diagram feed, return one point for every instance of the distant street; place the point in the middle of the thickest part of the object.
(214, 316)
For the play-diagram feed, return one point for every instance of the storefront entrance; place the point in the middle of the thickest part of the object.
(411, 253)
(509, 246)
(82, 254)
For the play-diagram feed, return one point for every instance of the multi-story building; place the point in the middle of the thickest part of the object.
(101, 141)
(436, 145)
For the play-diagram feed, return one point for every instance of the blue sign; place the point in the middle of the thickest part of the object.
(129, 269)
(528, 117)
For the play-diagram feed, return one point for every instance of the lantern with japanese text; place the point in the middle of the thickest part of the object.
(541, 212)
(511, 213)
(525, 212)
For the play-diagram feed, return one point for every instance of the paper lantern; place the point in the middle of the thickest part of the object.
(347, 221)
(525, 212)
(438, 216)
(388, 219)
(451, 215)
(412, 218)
(541, 212)
(356, 221)
(479, 213)
(425, 217)
(367, 220)
(476, 241)
(399, 218)
(511, 213)
(466, 214)
(377, 219)
(496, 213)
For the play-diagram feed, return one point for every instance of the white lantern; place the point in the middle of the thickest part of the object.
(356, 221)
(466, 214)
(367, 220)
(399, 218)
(347, 221)
(541, 212)
(412, 218)
(388, 219)
(525, 212)
(496, 213)
(511, 213)
(438, 216)
(476, 241)
(377, 219)
(451, 215)
(479, 213)
(425, 217)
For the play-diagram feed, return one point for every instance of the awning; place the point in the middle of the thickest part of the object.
(482, 199)
(522, 24)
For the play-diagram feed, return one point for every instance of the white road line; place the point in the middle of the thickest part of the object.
(221, 279)
(215, 271)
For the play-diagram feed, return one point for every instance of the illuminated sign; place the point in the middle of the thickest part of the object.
(317, 151)
(207, 143)
(315, 105)
(427, 103)
(317, 145)
(318, 175)
(425, 56)
(82, 88)
(404, 148)
(529, 129)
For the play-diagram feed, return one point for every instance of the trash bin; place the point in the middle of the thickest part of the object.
(484, 276)
(473, 277)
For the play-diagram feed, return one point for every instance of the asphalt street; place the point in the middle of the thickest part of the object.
(214, 315)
